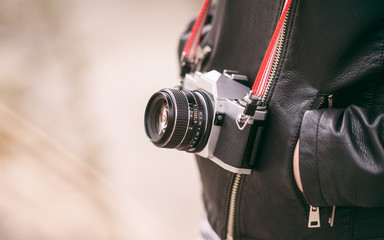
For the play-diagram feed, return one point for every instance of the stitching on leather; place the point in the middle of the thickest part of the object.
(317, 164)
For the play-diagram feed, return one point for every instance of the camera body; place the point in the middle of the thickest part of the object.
(228, 146)
(209, 116)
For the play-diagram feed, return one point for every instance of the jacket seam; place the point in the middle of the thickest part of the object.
(317, 159)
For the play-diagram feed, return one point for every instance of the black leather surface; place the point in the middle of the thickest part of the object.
(232, 143)
(332, 47)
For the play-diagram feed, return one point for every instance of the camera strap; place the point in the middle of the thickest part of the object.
(189, 52)
(261, 82)
(256, 97)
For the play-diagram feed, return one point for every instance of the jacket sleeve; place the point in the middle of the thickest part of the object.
(342, 157)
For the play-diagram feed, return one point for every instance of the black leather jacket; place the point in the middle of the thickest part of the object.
(332, 57)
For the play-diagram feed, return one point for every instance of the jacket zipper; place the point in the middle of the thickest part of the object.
(321, 102)
(277, 57)
(332, 218)
(232, 206)
(238, 177)
(314, 212)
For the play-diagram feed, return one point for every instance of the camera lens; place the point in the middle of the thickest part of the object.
(179, 119)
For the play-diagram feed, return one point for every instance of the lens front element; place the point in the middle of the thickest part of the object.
(163, 120)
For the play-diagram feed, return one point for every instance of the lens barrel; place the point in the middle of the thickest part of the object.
(179, 119)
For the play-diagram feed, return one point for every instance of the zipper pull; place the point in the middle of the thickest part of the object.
(321, 102)
(314, 217)
(330, 101)
(332, 218)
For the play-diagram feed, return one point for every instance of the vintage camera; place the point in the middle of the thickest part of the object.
(207, 117)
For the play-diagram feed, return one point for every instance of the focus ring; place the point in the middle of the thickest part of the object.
(181, 117)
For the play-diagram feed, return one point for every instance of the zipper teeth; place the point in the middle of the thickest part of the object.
(232, 207)
(277, 57)
(236, 181)
(321, 102)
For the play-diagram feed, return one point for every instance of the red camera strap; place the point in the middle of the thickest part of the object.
(261, 81)
(192, 44)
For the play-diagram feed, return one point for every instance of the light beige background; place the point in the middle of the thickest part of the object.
(75, 77)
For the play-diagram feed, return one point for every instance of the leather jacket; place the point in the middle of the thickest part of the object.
(328, 92)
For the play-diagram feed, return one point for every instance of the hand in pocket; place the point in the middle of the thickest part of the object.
(296, 166)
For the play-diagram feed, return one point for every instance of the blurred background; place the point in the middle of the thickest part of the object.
(75, 77)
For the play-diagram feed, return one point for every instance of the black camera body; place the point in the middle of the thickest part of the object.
(206, 118)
